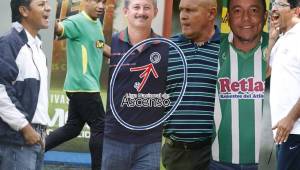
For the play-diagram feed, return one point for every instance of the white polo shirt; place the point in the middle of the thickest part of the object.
(285, 77)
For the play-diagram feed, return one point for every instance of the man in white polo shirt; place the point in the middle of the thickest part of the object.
(285, 82)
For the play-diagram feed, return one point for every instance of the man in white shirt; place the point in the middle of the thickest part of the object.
(285, 81)
(23, 87)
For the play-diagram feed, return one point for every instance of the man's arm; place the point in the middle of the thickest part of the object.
(67, 28)
(10, 106)
(107, 51)
(285, 125)
(58, 29)
(31, 136)
(273, 36)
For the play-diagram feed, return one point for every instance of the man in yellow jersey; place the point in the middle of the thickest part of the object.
(85, 44)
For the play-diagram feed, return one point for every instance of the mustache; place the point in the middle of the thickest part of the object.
(141, 16)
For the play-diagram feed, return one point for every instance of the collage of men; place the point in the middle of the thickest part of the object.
(150, 85)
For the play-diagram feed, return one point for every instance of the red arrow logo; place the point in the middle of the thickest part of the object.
(149, 68)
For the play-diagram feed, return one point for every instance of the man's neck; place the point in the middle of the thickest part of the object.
(138, 35)
(245, 46)
(293, 22)
(87, 14)
(206, 36)
(33, 32)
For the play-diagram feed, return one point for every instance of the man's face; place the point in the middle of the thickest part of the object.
(140, 13)
(281, 13)
(37, 14)
(246, 19)
(95, 8)
(194, 17)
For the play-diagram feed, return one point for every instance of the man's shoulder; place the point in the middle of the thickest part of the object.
(7, 36)
(76, 16)
(177, 37)
(265, 40)
(116, 35)
(11, 43)
(12, 37)
(116, 39)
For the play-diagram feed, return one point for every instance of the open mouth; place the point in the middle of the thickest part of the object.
(100, 12)
(275, 16)
(185, 25)
(46, 17)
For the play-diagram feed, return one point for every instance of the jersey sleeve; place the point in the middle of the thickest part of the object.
(70, 29)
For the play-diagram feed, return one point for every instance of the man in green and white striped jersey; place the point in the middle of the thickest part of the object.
(240, 87)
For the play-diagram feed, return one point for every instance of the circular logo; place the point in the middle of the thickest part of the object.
(156, 58)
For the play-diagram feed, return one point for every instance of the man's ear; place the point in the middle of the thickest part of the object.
(23, 11)
(212, 14)
(297, 11)
(125, 10)
(155, 11)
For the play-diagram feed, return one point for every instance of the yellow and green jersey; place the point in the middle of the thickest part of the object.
(85, 43)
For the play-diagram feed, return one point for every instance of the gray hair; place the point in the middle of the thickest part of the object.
(126, 3)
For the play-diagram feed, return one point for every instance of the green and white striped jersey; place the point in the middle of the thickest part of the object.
(238, 105)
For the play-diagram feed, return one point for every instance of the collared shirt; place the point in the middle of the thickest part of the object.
(125, 83)
(193, 119)
(285, 76)
(41, 114)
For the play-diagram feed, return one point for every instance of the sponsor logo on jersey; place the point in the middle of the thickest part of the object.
(99, 44)
(246, 88)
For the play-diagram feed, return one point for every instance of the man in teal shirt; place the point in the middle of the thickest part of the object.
(85, 44)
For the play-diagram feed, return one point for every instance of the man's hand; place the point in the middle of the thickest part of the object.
(107, 51)
(274, 32)
(274, 29)
(58, 29)
(284, 127)
(31, 136)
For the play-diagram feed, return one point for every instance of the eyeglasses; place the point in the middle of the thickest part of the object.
(280, 4)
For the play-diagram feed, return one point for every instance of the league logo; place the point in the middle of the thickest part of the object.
(148, 69)
(138, 100)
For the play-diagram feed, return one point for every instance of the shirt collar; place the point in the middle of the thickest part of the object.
(88, 17)
(30, 39)
(230, 40)
(33, 41)
(294, 29)
(123, 36)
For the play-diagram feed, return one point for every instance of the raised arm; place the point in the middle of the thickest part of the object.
(273, 36)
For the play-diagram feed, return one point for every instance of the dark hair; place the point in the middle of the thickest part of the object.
(15, 13)
(263, 2)
(294, 3)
